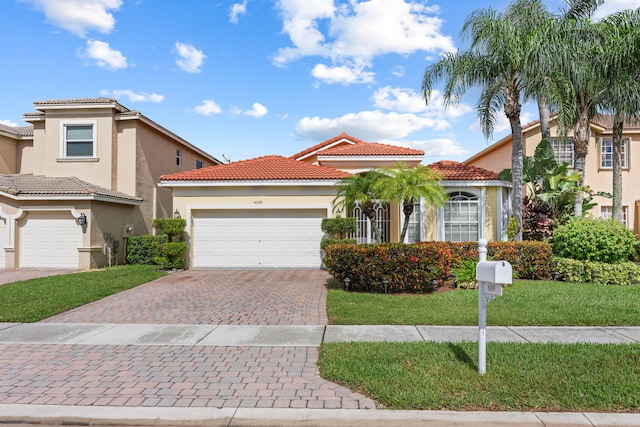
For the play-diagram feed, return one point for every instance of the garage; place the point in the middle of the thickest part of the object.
(49, 240)
(288, 238)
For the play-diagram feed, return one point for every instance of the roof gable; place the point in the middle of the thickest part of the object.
(337, 141)
(267, 168)
(456, 171)
(371, 149)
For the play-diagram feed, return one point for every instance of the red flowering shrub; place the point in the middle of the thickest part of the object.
(415, 268)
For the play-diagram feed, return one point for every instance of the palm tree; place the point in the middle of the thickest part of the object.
(498, 62)
(622, 97)
(403, 184)
(360, 190)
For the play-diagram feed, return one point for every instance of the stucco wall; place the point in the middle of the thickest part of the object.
(8, 155)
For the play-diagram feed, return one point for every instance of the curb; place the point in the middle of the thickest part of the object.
(49, 415)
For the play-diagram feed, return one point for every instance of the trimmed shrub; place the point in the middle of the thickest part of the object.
(339, 227)
(588, 239)
(172, 227)
(530, 260)
(172, 255)
(623, 273)
(414, 268)
(328, 241)
(144, 249)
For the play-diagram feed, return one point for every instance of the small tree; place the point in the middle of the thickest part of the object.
(172, 251)
(402, 185)
(338, 229)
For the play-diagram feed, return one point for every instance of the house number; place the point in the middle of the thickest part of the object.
(257, 202)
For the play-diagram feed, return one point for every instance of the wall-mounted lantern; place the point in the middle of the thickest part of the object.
(82, 219)
(176, 214)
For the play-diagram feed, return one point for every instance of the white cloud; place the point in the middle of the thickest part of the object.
(207, 108)
(236, 10)
(257, 111)
(368, 125)
(439, 147)
(502, 124)
(133, 96)
(409, 101)
(398, 71)
(104, 56)
(189, 58)
(613, 6)
(351, 33)
(343, 74)
(79, 16)
(8, 122)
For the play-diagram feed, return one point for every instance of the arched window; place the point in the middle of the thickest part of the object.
(461, 217)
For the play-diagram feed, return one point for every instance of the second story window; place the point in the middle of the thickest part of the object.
(178, 157)
(199, 164)
(606, 153)
(563, 150)
(79, 140)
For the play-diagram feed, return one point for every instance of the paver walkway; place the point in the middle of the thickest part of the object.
(215, 297)
(185, 375)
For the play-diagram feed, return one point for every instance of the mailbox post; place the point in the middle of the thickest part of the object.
(491, 275)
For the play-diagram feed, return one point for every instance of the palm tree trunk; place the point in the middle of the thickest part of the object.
(512, 109)
(618, 124)
(581, 136)
(545, 117)
(370, 212)
(407, 209)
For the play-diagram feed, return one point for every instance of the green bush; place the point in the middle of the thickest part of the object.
(623, 273)
(172, 227)
(338, 227)
(144, 249)
(407, 268)
(465, 271)
(588, 239)
(530, 260)
(172, 255)
(329, 241)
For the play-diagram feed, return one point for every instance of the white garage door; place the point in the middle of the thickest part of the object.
(4, 241)
(257, 238)
(49, 240)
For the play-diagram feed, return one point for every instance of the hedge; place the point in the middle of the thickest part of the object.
(415, 268)
(571, 270)
(144, 249)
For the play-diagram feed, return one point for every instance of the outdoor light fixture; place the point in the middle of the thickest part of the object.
(346, 283)
(176, 214)
(82, 219)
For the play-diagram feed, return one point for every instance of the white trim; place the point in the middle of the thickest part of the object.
(475, 184)
(23, 210)
(325, 147)
(482, 218)
(62, 197)
(73, 122)
(352, 158)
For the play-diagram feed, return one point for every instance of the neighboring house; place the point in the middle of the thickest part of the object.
(266, 212)
(598, 168)
(81, 180)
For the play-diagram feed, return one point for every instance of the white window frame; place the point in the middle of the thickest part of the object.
(561, 151)
(606, 212)
(63, 137)
(476, 198)
(625, 153)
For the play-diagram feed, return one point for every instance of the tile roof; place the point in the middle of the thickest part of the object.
(38, 185)
(371, 149)
(456, 171)
(326, 143)
(81, 101)
(271, 168)
(17, 130)
(606, 121)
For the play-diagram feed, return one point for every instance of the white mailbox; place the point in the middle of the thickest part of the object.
(494, 272)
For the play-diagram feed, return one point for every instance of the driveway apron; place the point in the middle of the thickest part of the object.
(215, 297)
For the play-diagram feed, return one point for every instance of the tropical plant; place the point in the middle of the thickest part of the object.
(403, 184)
(622, 97)
(498, 61)
(359, 190)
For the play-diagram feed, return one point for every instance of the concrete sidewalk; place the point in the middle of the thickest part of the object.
(233, 375)
(296, 335)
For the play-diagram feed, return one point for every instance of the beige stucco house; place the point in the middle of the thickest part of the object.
(83, 178)
(599, 163)
(266, 212)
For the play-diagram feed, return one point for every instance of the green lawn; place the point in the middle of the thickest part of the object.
(37, 299)
(520, 377)
(525, 303)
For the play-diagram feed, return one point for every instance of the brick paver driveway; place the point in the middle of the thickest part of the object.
(220, 297)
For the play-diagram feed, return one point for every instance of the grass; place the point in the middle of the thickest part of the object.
(525, 303)
(520, 377)
(36, 299)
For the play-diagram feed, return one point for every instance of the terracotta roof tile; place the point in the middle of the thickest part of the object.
(606, 121)
(39, 105)
(37, 185)
(456, 171)
(371, 149)
(261, 168)
(328, 142)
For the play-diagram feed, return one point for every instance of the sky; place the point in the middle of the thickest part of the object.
(247, 78)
